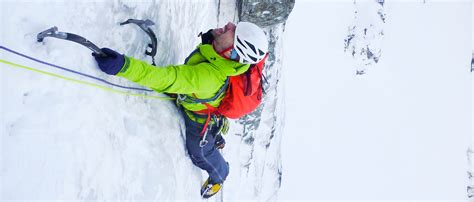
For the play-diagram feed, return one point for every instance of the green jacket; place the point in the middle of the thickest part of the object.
(202, 75)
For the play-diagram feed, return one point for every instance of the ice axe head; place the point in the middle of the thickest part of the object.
(144, 25)
(46, 33)
(140, 23)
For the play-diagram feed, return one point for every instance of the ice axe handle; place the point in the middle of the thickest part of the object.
(53, 32)
(100, 53)
(153, 43)
(83, 41)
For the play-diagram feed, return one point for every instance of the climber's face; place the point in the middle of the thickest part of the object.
(224, 37)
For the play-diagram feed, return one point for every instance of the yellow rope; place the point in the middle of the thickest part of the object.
(83, 82)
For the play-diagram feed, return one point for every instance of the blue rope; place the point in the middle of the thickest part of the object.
(73, 71)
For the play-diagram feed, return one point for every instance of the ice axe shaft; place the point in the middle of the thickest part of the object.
(53, 32)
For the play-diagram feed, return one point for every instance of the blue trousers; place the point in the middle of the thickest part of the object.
(207, 157)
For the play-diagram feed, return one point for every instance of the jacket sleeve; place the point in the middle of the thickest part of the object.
(182, 79)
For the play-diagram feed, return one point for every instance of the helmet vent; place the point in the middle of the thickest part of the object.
(261, 52)
(254, 59)
(240, 50)
(251, 46)
(240, 42)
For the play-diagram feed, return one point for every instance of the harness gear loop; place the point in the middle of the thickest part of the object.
(203, 141)
(207, 125)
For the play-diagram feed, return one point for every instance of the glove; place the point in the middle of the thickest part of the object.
(110, 64)
(220, 142)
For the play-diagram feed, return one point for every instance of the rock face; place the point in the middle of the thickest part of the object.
(261, 131)
(265, 13)
(472, 62)
(470, 174)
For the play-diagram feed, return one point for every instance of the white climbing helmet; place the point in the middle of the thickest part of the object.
(250, 42)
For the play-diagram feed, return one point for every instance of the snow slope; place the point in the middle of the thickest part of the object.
(398, 132)
(62, 140)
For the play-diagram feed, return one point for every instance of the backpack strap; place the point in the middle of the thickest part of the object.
(248, 84)
(190, 99)
(210, 109)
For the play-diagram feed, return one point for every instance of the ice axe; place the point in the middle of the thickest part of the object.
(145, 26)
(53, 32)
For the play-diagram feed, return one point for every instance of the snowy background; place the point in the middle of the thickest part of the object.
(401, 130)
(398, 131)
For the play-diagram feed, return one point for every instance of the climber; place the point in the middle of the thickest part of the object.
(200, 85)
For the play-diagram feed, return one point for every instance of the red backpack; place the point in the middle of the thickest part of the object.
(243, 94)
